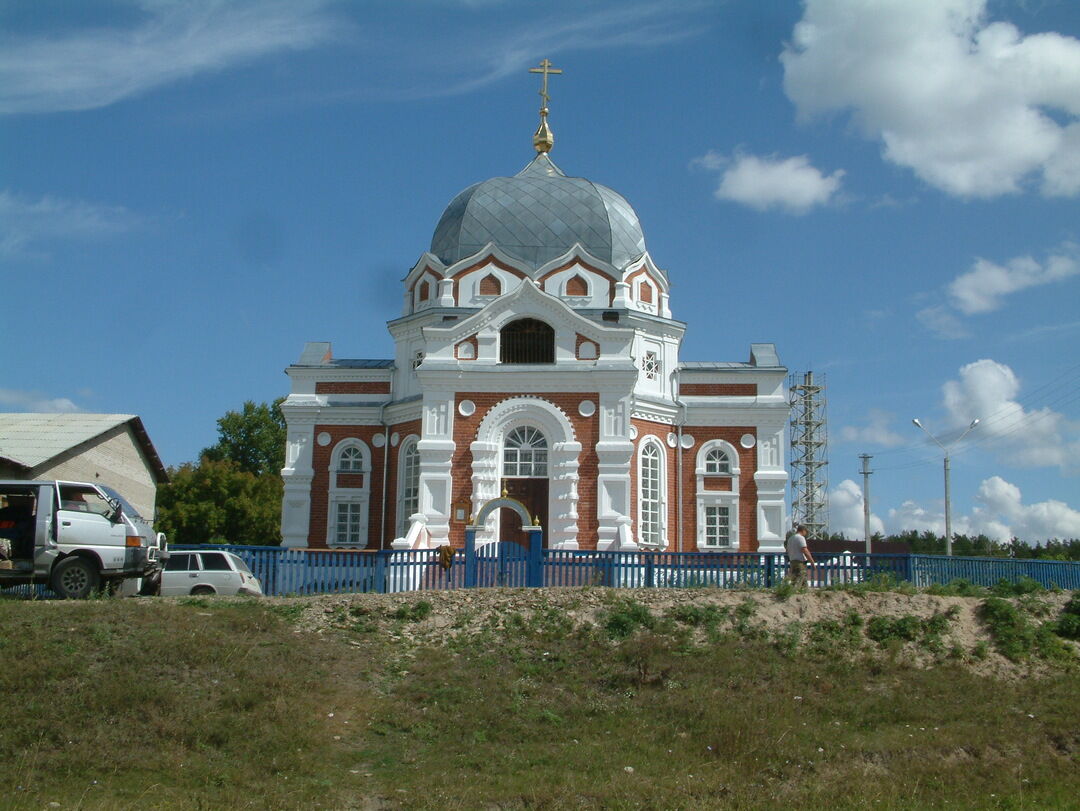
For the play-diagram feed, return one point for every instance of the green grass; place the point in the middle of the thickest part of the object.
(214, 704)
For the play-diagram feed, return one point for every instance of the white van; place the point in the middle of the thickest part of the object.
(76, 537)
(207, 572)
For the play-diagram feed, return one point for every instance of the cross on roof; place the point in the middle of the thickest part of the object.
(545, 68)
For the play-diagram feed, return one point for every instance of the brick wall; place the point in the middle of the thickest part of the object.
(747, 517)
(718, 389)
(355, 387)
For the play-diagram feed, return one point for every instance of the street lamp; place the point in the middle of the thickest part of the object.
(948, 504)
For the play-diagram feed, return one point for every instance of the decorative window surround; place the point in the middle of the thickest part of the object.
(652, 494)
(717, 510)
(348, 504)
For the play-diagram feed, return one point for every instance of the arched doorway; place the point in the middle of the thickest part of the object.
(559, 512)
(524, 478)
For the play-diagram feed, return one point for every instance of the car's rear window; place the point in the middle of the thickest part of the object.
(215, 562)
(240, 566)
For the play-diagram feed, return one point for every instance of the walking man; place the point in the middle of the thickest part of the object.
(798, 554)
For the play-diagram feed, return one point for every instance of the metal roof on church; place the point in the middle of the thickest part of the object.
(538, 215)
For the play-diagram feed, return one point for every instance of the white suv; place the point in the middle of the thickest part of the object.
(207, 572)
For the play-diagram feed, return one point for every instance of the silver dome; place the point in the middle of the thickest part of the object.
(537, 216)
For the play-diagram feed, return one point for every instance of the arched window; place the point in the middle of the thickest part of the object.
(525, 453)
(408, 484)
(527, 341)
(577, 286)
(717, 474)
(645, 292)
(349, 496)
(651, 495)
(490, 285)
(717, 462)
(351, 460)
(425, 291)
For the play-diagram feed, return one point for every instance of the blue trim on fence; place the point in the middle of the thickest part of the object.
(325, 571)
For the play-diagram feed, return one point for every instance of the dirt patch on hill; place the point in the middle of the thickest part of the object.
(923, 629)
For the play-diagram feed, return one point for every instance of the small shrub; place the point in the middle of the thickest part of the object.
(885, 629)
(625, 617)
(1025, 585)
(415, 612)
(698, 615)
(784, 590)
(1015, 636)
(1068, 626)
(957, 587)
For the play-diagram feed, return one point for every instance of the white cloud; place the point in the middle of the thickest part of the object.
(24, 223)
(973, 107)
(987, 390)
(772, 182)
(941, 321)
(1002, 504)
(32, 401)
(846, 511)
(1000, 513)
(96, 67)
(983, 288)
(875, 432)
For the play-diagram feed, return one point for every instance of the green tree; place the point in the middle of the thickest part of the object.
(253, 438)
(233, 495)
(217, 502)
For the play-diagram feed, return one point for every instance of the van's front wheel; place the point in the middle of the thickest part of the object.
(75, 578)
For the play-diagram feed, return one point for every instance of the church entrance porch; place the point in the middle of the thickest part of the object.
(504, 563)
(526, 445)
(533, 493)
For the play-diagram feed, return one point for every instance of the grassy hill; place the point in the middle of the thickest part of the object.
(541, 699)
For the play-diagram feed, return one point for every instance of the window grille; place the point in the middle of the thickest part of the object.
(527, 341)
(409, 487)
(351, 461)
(650, 364)
(651, 499)
(525, 453)
(717, 462)
(348, 530)
(418, 358)
(717, 526)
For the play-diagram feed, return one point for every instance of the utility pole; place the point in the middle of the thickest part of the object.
(948, 496)
(866, 497)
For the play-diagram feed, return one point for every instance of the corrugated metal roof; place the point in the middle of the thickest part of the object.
(30, 439)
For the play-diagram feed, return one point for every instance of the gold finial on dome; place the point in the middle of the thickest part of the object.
(543, 139)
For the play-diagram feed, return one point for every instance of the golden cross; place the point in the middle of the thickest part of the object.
(545, 68)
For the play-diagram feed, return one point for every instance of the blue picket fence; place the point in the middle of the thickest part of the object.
(321, 571)
(316, 571)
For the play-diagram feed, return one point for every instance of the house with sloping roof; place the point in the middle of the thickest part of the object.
(108, 449)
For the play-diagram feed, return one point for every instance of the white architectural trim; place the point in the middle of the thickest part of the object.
(717, 498)
(563, 453)
(651, 441)
(338, 495)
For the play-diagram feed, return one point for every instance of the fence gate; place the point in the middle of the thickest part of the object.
(503, 563)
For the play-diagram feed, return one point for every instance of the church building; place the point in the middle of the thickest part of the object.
(537, 356)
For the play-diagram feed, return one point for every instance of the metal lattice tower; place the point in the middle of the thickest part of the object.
(809, 455)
